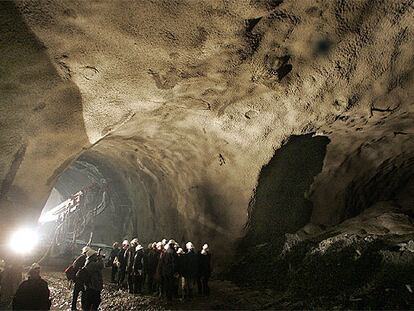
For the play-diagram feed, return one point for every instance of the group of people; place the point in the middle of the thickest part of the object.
(163, 268)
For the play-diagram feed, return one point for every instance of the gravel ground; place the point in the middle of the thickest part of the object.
(224, 296)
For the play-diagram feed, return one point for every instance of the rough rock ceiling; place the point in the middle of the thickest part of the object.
(189, 99)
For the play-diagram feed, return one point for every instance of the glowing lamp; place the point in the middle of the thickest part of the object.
(23, 241)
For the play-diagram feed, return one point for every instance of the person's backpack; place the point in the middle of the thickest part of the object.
(83, 276)
(70, 273)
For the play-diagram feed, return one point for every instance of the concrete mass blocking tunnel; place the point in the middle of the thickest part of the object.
(216, 127)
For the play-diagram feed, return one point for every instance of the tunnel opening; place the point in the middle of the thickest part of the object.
(280, 203)
(279, 207)
(87, 205)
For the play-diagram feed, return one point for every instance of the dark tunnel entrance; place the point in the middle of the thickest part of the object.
(279, 204)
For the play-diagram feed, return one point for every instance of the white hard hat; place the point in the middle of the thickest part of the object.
(164, 241)
(91, 252)
(159, 245)
(125, 242)
(85, 249)
(180, 251)
(189, 245)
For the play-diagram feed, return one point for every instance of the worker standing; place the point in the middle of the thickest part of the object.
(94, 285)
(33, 293)
(78, 287)
(112, 263)
(122, 259)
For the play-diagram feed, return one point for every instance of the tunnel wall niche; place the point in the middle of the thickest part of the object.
(279, 204)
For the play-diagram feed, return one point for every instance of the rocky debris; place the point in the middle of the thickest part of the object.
(409, 246)
(333, 270)
(112, 298)
(224, 296)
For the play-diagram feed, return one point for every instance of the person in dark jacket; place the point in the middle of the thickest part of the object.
(78, 287)
(145, 263)
(158, 276)
(181, 266)
(32, 294)
(138, 269)
(112, 263)
(190, 271)
(168, 262)
(122, 260)
(204, 259)
(93, 287)
(130, 254)
(152, 263)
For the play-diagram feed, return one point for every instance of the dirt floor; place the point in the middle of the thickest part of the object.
(224, 296)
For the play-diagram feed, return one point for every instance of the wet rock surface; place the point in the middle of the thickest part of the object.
(224, 296)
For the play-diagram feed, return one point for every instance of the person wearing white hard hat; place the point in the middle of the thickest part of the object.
(129, 255)
(190, 271)
(138, 267)
(168, 270)
(204, 270)
(122, 259)
(93, 288)
(180, 270)
(33, 293)
(158, 275)
(189, 246)
(71, 272)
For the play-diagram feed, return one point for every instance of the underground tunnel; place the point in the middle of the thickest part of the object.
(280, 133)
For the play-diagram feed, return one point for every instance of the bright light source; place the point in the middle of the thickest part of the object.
(24, 240)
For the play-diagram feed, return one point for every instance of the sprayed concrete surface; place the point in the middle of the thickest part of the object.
(186, 101)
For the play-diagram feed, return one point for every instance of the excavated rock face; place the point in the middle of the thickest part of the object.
(186, 101)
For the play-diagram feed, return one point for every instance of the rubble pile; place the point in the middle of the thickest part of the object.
(334, 270)
(112, 298)
(224, 296)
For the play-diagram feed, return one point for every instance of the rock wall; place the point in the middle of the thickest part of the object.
(188, 101)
